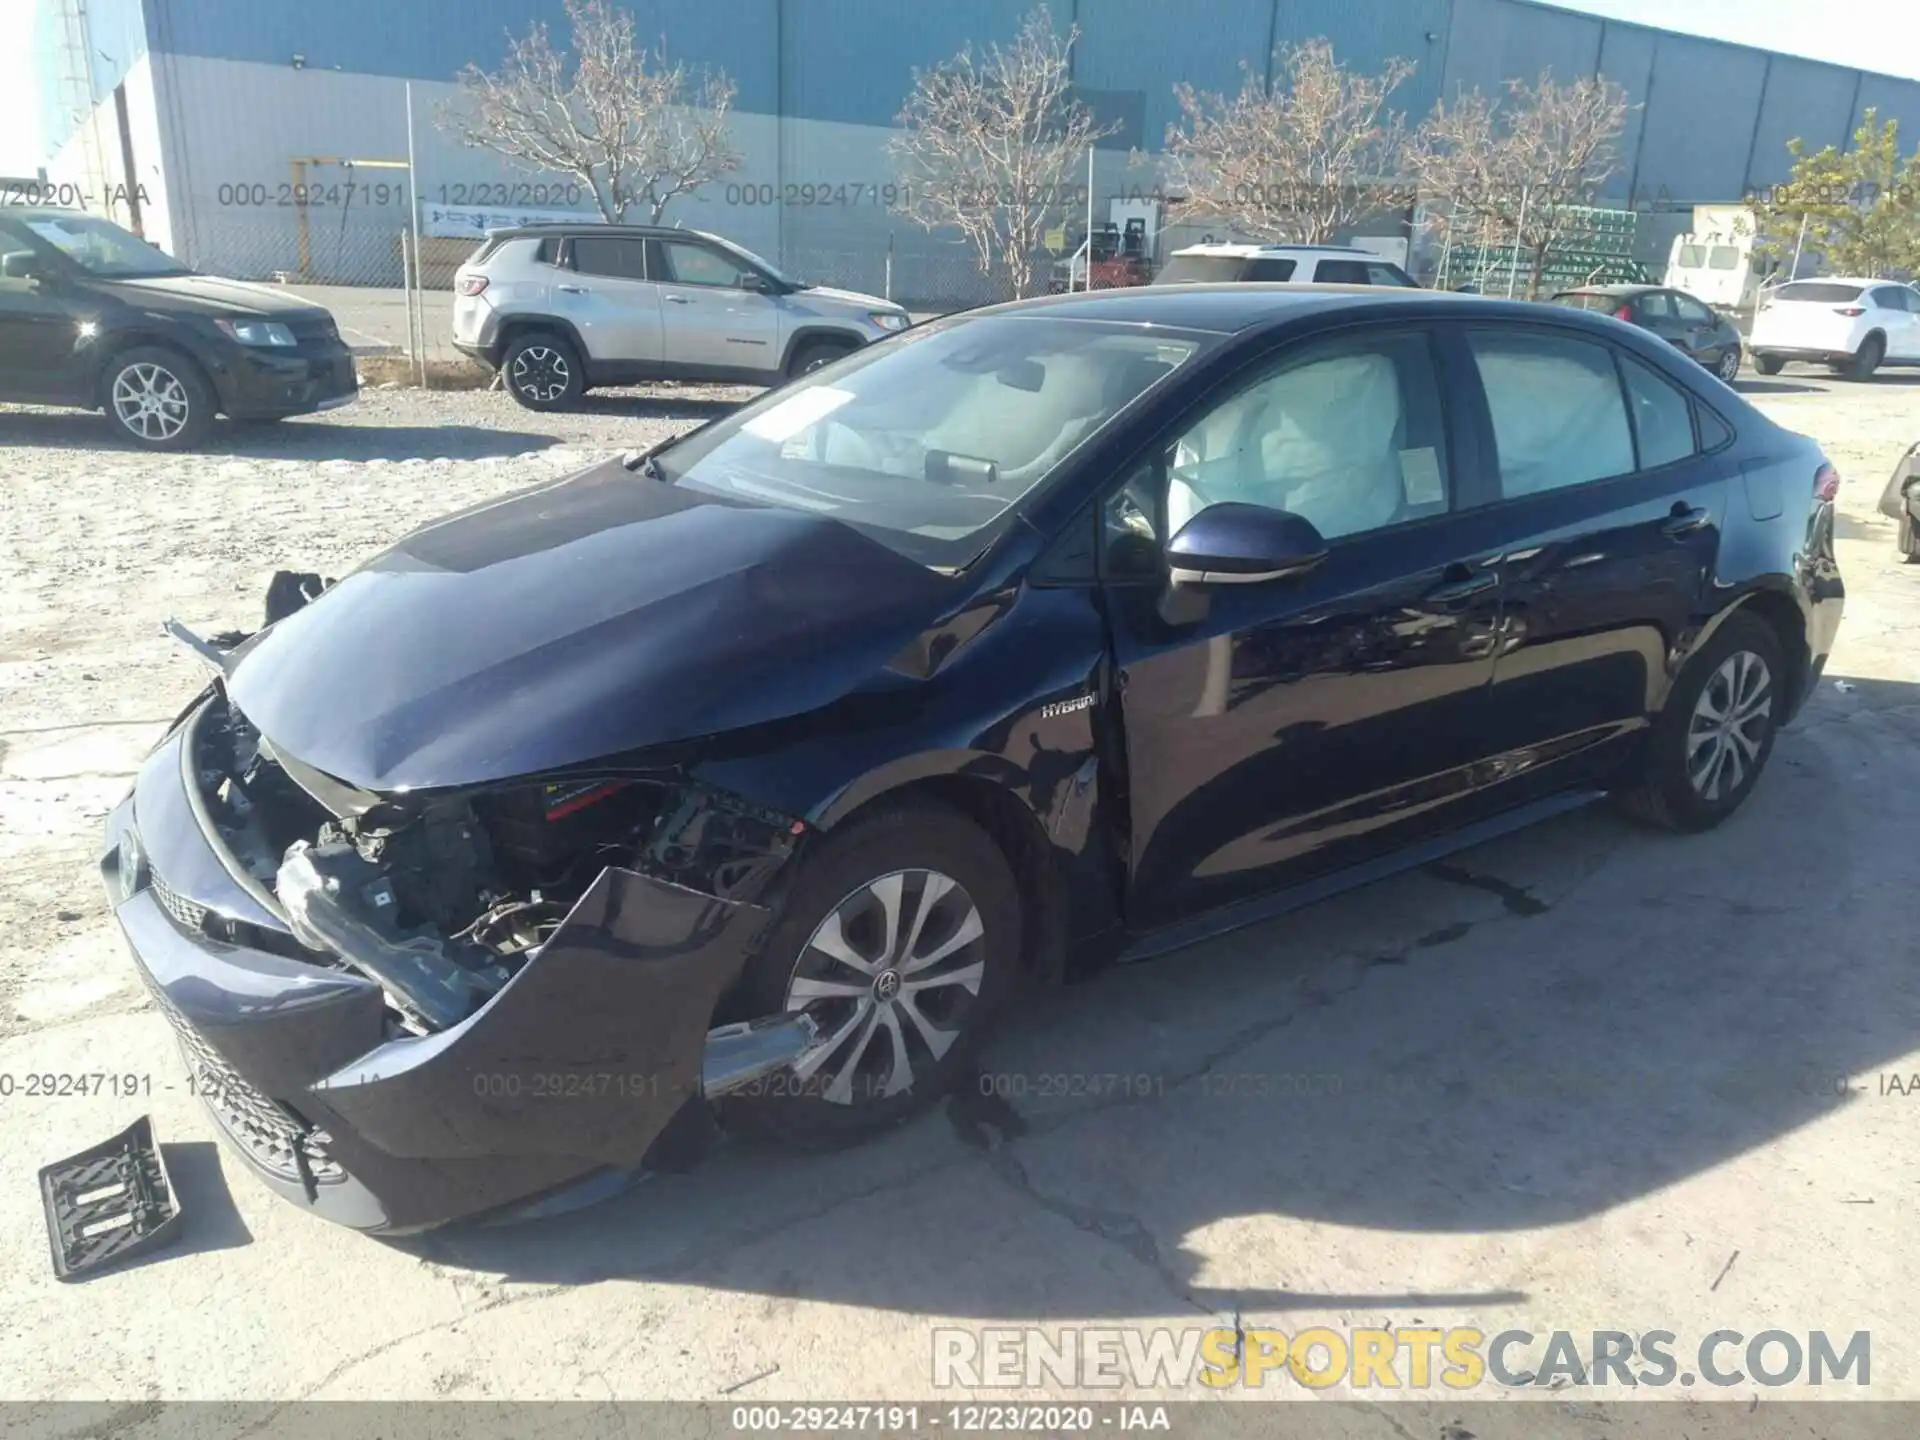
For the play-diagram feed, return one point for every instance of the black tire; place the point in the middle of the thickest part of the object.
(1728, 368)
(815, 353)
(1909, 538)
(1768, 364)
(1667, 795)
(1866, 360)
(157, 398)
(813, 1109)
(543, 371)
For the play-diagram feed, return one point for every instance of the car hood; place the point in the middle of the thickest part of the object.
(847, 297)
(208, 295)
(598, 615)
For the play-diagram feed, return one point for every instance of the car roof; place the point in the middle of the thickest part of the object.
(1237, 250)
(601, 227)
(44, 212)
(1232, 308)
(1840, 280)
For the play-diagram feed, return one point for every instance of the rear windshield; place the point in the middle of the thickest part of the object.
(1692, 257)
(1724, 257)
(1201, 269)
(1818, 292)
(1579, 301)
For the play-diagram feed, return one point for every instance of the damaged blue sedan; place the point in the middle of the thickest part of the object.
(737, 785)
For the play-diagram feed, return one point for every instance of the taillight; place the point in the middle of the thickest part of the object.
(1851, 310)
(472, 284)
(1625, 312)
(1826, 483)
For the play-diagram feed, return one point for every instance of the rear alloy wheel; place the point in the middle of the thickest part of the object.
(1729, 367)
(543, 372)
(1866, 359)
(900, 939)
(158, 399)
(1715, 734)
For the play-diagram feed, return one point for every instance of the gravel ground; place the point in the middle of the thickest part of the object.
(1581, 1061)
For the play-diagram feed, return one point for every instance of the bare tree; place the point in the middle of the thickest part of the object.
(1301, 161)
(991, 144)
(1523, 168)
(630, 127)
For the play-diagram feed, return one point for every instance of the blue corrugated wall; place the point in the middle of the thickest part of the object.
(1711, 120)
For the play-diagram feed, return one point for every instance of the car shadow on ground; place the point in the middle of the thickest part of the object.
(299, 438)
(1749, 385)
(1530, 1034)
(701, 406)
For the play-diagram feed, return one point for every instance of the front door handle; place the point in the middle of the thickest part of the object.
(1684, 520)
(675, 299)
(1457, 591)
(570, 289)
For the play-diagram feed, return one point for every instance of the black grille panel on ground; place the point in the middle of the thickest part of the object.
(277, 1140)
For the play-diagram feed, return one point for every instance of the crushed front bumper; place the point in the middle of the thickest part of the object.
(572, 1070)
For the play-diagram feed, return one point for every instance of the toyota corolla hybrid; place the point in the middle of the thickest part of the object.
(751, 777)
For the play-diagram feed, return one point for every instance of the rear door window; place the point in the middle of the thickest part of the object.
(1559, 417)
(1270, 270)
(1384, 274)
(615, 257)
(1656, 305)
(1342, 272)
(1662, 415)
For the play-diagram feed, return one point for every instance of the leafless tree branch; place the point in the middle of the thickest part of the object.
(630, 127)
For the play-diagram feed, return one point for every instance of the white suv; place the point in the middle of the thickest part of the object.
(1283, 264)
(1855, 326)
(561, 308)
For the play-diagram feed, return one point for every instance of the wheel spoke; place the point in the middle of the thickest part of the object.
(937, 1041)
(900, 1077)
(840, 1088)
(831, 941)
(968, 931)
(933, 886)
(887, 891)
(967, 975)
(810, 1063)
(805, 988)
(1747, 744)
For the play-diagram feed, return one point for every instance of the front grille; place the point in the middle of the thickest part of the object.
(188, 915)
(277, 1140)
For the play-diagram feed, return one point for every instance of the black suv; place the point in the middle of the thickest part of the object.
(93, 316)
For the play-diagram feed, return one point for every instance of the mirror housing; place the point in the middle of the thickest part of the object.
(1234, 543)
(755, 283)
(22, 265)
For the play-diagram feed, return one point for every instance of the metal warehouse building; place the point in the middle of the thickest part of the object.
(208, 111)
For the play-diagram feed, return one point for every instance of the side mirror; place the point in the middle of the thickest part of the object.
(756, 283)
(1234, 543)
(22, 265)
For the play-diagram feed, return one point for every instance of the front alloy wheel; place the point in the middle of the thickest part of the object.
(1729, 367)
(889, 977)
(150, 401)
(1729, 726)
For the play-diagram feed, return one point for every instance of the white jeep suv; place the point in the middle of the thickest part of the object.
(1854, 326)
(559, 309)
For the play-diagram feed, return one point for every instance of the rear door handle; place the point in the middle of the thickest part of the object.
(1684, 520)
(1457, 591)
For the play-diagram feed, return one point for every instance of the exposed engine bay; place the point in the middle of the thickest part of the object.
(443, 898)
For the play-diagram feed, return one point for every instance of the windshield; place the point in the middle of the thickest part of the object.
(100, 247)
(927, 441)
(1587, 300)
(767, 265)
(1200, 269)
